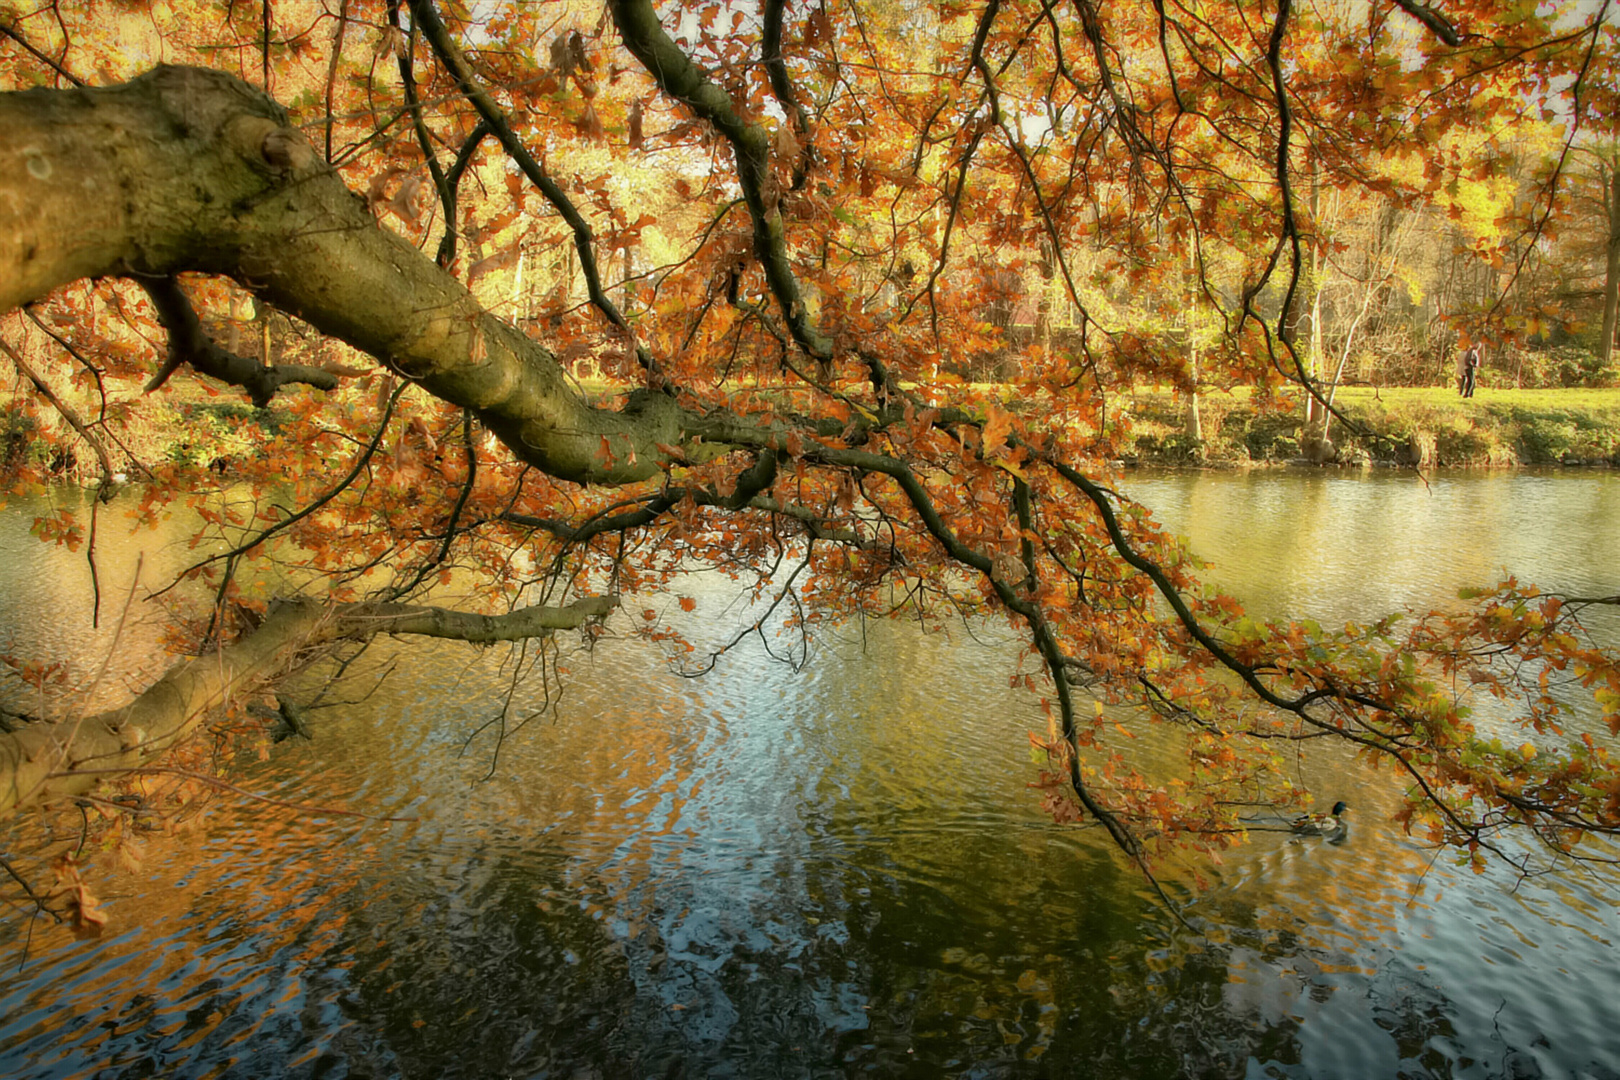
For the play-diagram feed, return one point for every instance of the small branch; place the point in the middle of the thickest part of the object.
(367, 620)
(39, 902)
(450, 55)
(331, 69)
(452, 527)
(447, 243)
(413, 103)
(1436, 22)
(190, 344)
(7, 30)
(67, 413)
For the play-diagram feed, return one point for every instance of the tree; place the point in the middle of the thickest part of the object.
(1611, 261)
(1597, 193)
(826, 208)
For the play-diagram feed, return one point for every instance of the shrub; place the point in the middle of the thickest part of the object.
(1569, 366)
(18, 432)
(1459, 442)
(1546, 439)
(1272, 435)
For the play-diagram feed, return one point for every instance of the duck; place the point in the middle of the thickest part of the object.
(1331, 825)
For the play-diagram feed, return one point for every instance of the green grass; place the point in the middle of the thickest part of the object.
(1498, 426)
(1486, 397)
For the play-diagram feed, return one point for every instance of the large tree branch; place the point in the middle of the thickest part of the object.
(367, 620)
(190, 169)
(44, 761)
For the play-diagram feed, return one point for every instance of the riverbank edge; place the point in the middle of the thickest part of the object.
(1574, 429)
(1423, 427)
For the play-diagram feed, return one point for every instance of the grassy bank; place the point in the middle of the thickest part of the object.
(1405, 426)
(1431, 426)
(182, 430)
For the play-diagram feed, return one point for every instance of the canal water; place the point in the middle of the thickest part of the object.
(835, 871)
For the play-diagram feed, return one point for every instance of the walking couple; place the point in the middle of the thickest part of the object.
(1468, 371)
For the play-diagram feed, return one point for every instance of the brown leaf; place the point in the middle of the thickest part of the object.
(391, 41)
(375, 191)
(131, 854)
(589, 124)
(562, 56)
(787, 147)
(997, 424)
(406, 203)
(498, 261)
(635, 125)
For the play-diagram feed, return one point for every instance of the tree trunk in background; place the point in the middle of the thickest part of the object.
(1611, 274)
(1194, 426)
(1043, 305)
(1313, 361)
(1195, 423)
(261, 315)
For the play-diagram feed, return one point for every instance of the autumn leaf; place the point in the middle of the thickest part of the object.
(997, 425)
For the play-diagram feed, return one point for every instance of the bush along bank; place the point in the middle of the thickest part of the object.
(1434, 427)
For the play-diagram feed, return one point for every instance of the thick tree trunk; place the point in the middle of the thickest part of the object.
(187, 169)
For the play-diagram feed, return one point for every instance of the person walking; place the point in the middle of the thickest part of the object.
(1470, 376)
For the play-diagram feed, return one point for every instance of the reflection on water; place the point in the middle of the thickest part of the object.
(763, 874)
(1334, 545)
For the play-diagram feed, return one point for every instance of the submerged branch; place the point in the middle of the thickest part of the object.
(45, 761)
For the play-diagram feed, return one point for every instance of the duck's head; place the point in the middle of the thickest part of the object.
(1340, 807)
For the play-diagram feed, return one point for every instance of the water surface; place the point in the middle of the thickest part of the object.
(827, 873)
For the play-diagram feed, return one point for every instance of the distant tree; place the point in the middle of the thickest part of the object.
(1596, 201)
